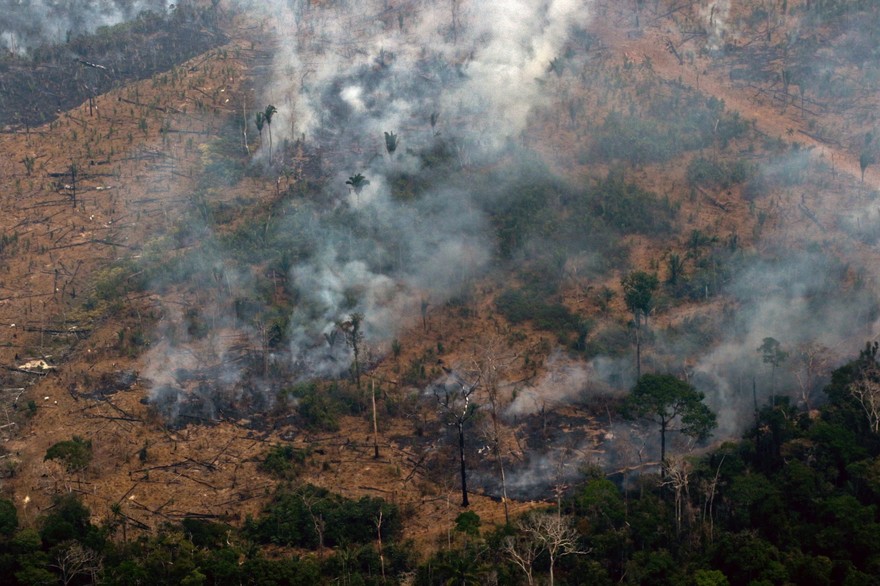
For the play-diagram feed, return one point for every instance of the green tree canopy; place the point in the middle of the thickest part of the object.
(638, 293)
(672, 404)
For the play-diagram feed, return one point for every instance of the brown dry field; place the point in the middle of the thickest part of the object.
(130, 188)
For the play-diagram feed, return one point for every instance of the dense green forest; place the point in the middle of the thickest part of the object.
(794, 501)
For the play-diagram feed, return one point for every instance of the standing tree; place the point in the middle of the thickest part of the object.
(357, 183)
(772, 354)
(638, 293)
(270, 111)
(391, 143)
(454, 399)
(354, 337)
(672, 404)
(492, 360)
(552, 534)
(674, 270)
(261, 121)
(522, 550)
(865, 160)
(865, 389)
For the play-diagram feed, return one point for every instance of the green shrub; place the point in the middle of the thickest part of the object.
(283, 461)
(290, 519)
(707, 173)
(318, 408)
(76, 453)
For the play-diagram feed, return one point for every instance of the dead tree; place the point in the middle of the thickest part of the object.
(78, 560)
(552, 534)
(522, 550)
(490, 363)
(678, 477)
(866, 391)
(454, 399)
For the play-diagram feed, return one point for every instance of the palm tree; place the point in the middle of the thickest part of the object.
(462, 569)
(261, 121)
(357, 183)
(675, 269)
(390, 143)
(270, 111)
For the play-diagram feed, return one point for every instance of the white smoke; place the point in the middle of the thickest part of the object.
(347, 72)
(488, 61)
(25, 24)
(563, 381)
(715, 16)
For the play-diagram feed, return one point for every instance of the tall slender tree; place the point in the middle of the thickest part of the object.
(638, 293)
(261, 122)
(354, 337)
(268, 114)
(455, 400)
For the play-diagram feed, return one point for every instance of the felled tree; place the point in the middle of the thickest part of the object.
(672, 404)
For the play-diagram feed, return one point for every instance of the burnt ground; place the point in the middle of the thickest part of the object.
(37, 87)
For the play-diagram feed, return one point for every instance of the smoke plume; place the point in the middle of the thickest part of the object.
(28, 23)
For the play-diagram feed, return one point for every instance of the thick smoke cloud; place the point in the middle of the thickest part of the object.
(343, 75)
(25, 24)
(459, 59)
(463, 75)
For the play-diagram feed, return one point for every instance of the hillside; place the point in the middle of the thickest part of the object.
(258, 259)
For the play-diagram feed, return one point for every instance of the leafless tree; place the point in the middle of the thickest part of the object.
(378, 522)
(710, 490)
(77, 560)
(551, 533)
(677, 477)
(492, 360)
(866, 390)
(318, 521)
(522, 550)
(454, 397)
(812, 359)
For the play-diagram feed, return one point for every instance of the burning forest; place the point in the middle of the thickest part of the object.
(420, 289)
